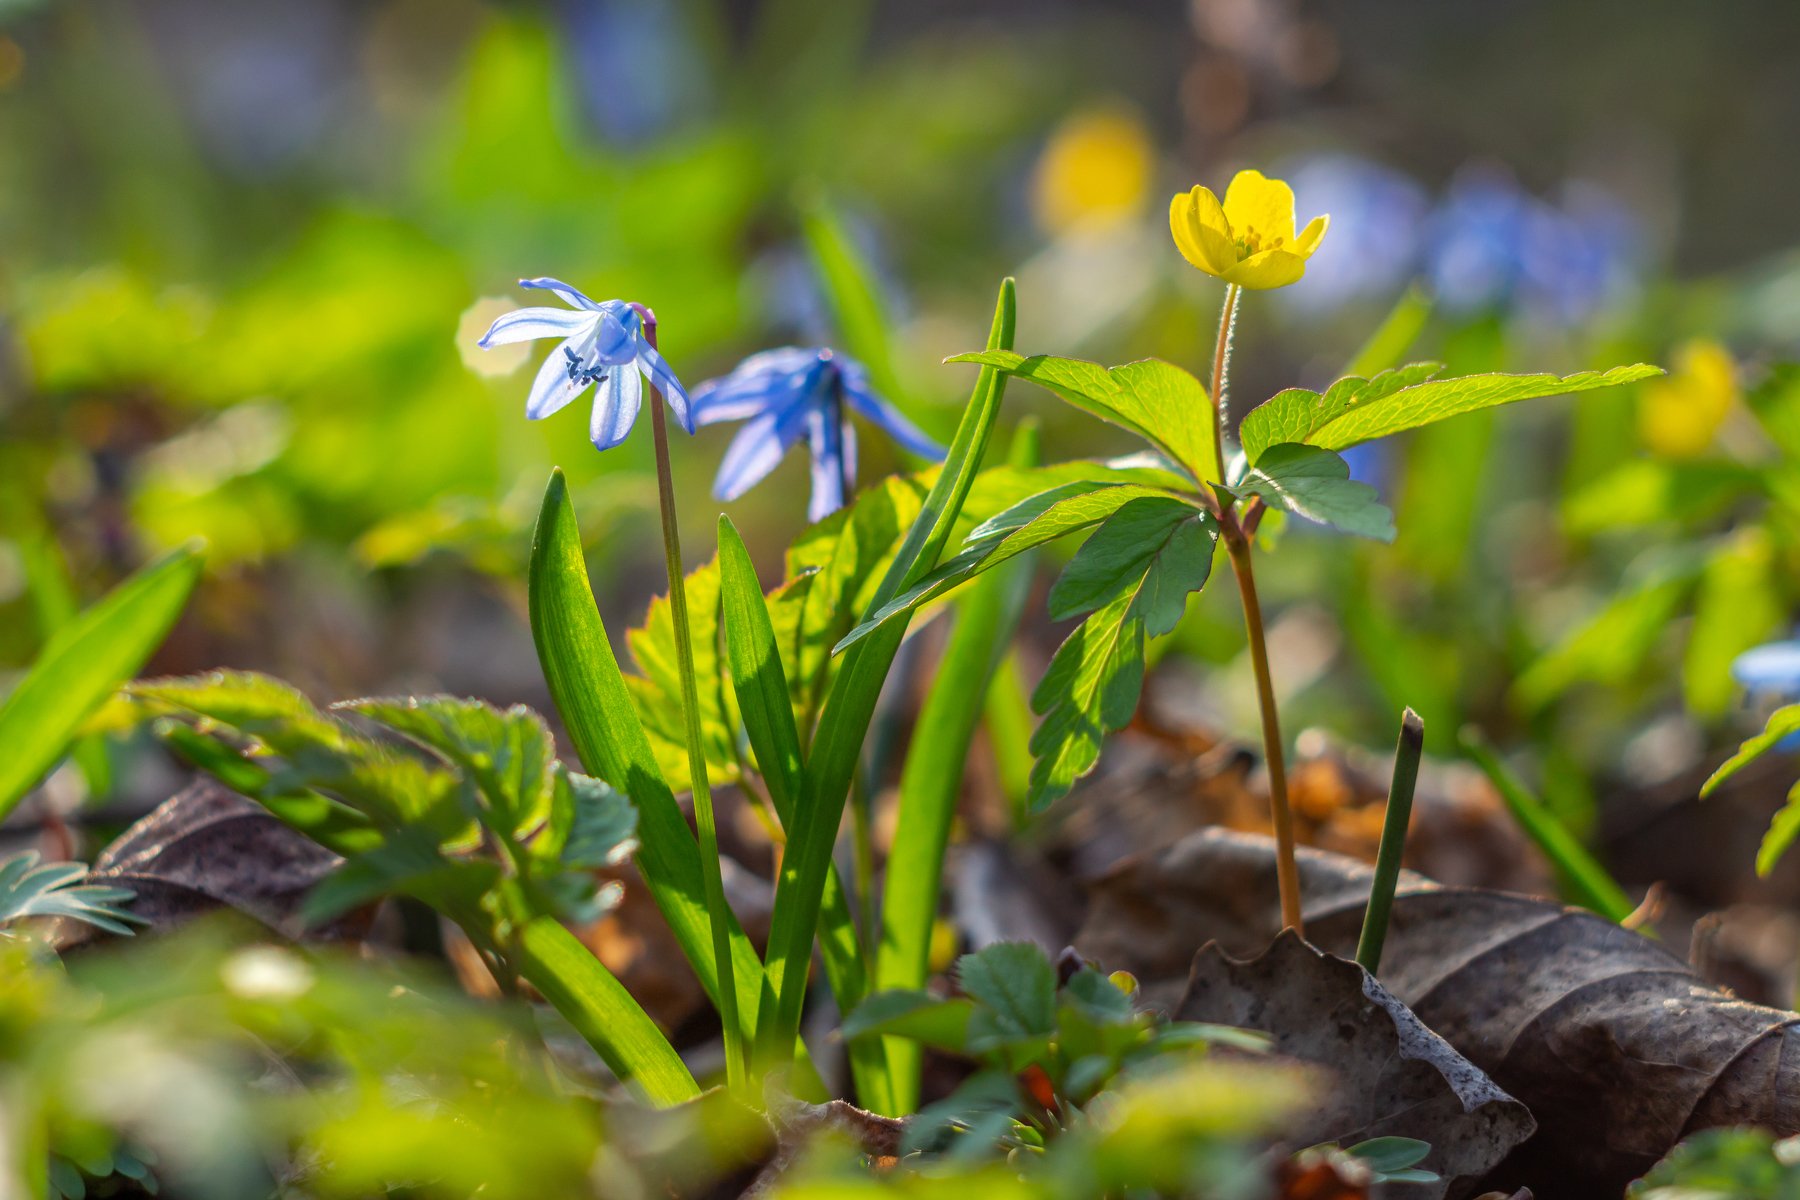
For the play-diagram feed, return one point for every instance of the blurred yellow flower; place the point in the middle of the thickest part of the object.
(1095, 170)
(1249, 239)
(1679, 414)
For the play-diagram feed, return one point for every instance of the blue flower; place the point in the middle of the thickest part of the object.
(791, 393)
(1772, 670)
(606, 344)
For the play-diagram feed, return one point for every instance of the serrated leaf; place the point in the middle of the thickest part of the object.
(1316, 484)
(656, 688)
(1098, 998)
(1030, 523)
(602, 822)
(408, 863)
(1014, 983)
(1295, 414)
(1402, 399)
(1158, 401)
(1089, 689)
(31, 888)
(1782, 723)
(1156, 548)
(508, 754)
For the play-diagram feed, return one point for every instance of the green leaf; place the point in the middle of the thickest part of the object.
(1295, 414)
(656, 690)
(1089, 689)
(1028, 524)
(601, 822)
(30, 888)
(1158, 401)
(1782, 723)
(1099, 998)
(1015, 986)
(850, 705)
(1616, 642)
(408, 863)
(592, 1000)
(1386, 1155)
(1354, 410)
(916, 1015)
(1316, 484)
(1739, 605)
(509, 755)
(1156, 549)
(931, 781)
(756, 671)
(82, 664)
(1784, 827)
(591, 694)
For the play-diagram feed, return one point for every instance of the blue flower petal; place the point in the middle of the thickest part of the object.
(556, 384)
(663, 376)
(528, 324)
(753, 453)
(616, 407)
(888, 419)
(1771, 668)
(568, 295)
(615, 334)
(738, 398)
(826, 434)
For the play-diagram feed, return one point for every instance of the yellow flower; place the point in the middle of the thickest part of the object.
(1679, 414)
(1248, 240)
(1095, 171)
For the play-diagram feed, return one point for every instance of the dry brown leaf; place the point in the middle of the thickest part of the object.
(1391, 1076)
(1616, 1046)
(208, 848)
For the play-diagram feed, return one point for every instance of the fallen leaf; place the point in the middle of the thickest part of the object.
(1391, 1076)
(208, 848)
(1618, 1049)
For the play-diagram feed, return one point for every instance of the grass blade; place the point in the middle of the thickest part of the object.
(83, 663)
(931, 782)
(1585, 880)
(592, 1000)
(837, 744)
(764, 702)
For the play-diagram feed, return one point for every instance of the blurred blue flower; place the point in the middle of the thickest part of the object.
(604, 344)
(1579, 257)
(635, 66)
(1476, 241)
(1376, 215)
(785, 395)
(1772, 670)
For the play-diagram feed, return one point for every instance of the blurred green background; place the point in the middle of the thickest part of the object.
(245, 251)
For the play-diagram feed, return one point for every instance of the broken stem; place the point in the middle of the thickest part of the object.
(1393, 840)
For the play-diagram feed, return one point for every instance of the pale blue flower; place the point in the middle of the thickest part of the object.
(792, 393)
(605, 344)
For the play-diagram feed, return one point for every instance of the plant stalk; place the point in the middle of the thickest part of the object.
(736, 1064)
(1237, 545)
(1393, 841)
(1287, 873)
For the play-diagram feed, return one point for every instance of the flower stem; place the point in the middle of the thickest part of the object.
(1393, 841)
(1237, 545)
(1287, 873)
(735, 1061)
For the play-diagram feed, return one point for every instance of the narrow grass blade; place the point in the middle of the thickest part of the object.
(854, 300)
(761, 687)
(1393, 841)
(82, 665)
(590, 693)
(1008, 722)
(1586, 881)
(54, 602)
(930, 783)
(592, 1000)
(850, 705)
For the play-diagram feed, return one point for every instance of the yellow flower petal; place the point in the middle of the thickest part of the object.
(1265, 206)
(1201, 232)
(1270, 269)
(1311, 236)
(1681, 413)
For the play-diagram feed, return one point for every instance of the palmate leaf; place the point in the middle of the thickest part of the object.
(1158, 401)
(1155, 548)
(1031, 522)
(1090, 689)
(656, 689)
(31, 888)
(1355, 410)
(1316, 484)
